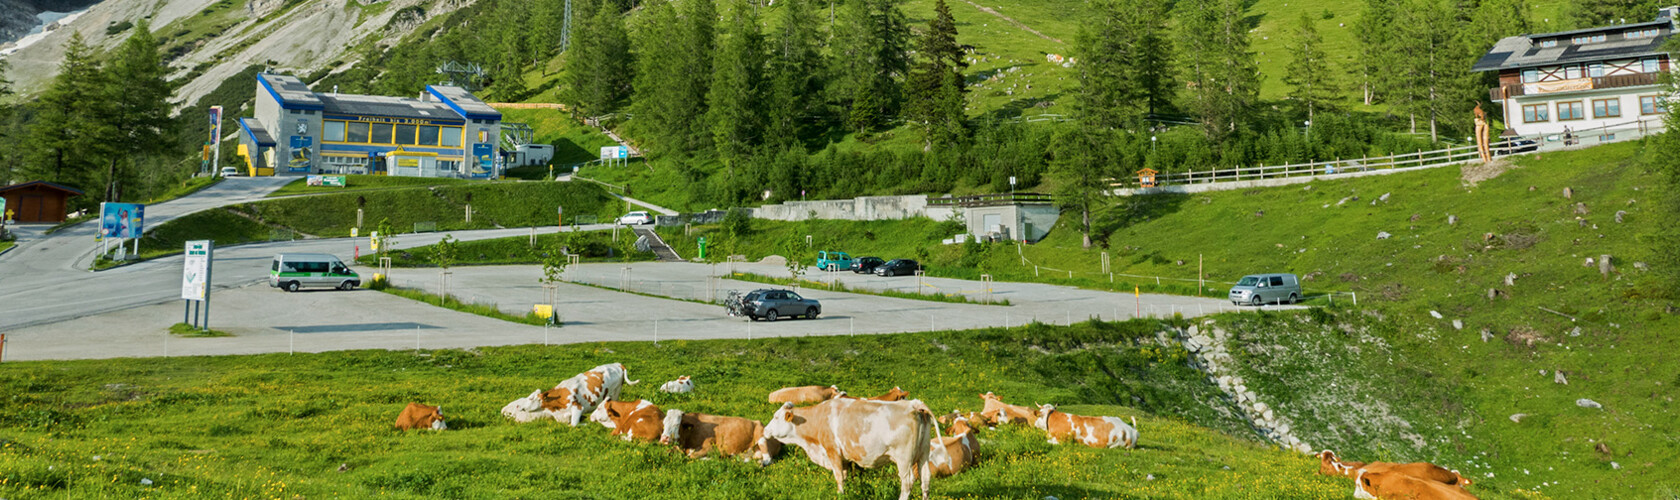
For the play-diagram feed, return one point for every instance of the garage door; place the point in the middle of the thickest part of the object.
(29, 208)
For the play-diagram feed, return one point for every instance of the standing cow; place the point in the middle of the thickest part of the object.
(1096, 432)
(575, 397)
(419, 416)
(699, 434)
(864, 432)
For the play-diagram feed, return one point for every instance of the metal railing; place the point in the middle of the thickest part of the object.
(1340, 166)
(986, 200)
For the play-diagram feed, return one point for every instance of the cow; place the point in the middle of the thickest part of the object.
(575, 397)
(682, 385)
(640, 420)
(419, 416)
(950, 418)
(806, 394)
(1331, 465)
(895, 394)
(864, 432)
(1096, 432)
(526, 409)
(950, 455)
(998, 412)
(699, 435)
(1395, 484)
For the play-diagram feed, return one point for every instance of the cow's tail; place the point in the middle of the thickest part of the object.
(1132, 443)
(627, 380)
(924, 442)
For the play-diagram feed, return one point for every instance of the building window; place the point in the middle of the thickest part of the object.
(1585, 39)
(1530, 75)
(1645, 33)
(356, 132)
(1650, 65)
(1651, 105)
(450, 137)
(1535, 113)
(1571, 72)
(332, 131)
(381, 133)
(1570, 111)
(428, 136)
(405, 135)
(1546, 44)
(1606, 108)
(1595, 70)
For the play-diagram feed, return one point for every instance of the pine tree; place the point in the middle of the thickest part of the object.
(736, 93)
(1314, 86)
(1222, 75)
(659, 104)
(1079, 169)
(67, 122)
(795, 74)
(1109, 94)
(1153, 61)
(940, 63)
(1581, 14)
(871, 60)
(137, 93)
(1432, 70)
(600, 69)
(1372, 31)
(699, 40)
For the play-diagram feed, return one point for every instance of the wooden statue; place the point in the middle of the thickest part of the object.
(1482, 134)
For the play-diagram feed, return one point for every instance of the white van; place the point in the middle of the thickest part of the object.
(1261, 289)
(291, 271)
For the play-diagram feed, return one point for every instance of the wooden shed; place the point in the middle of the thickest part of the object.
(38, 201)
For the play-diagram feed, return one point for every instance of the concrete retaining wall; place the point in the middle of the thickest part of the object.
(860, 208)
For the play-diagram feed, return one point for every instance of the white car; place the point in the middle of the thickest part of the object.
(230, 171)
(635, 218)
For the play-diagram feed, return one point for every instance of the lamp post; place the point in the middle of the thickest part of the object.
(1308, 123)
(1152, 144)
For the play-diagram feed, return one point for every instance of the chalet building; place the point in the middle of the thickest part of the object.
(1598, 81)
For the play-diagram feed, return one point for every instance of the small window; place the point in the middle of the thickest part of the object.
(428, 136)
(1570, 111)
(1595, 70)
(381, 134)
(450, 137)
(405, 135)
(356, 132)
(332, 131)
(1651, 105)
(1548, 43)
(1650, 65)
(1530, 75)
(1277, 281)
(1572, 71)
(1535, 113)
(1607, 108)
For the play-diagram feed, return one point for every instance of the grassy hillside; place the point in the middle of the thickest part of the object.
(318, 425)
(498, 204)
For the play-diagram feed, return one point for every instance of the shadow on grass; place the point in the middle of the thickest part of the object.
(1133, 210)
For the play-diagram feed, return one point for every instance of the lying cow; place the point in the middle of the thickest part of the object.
(997, 412)
(699, 434)
(951, 418)
(1331, 465)
(1096, 432)
(1394, 484)
(951, 455)
(864, 432)
(419, 416)
(682, 385)
(575, 397)
(639, 420)
(527, 409)
(806, 394)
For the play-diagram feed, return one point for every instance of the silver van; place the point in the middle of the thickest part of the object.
(291, 271)
(1258, 289)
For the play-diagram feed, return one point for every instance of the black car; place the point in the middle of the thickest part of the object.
(775, 304)
(866, 265)
(897, 267)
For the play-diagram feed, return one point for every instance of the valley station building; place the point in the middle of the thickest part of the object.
(446, 132)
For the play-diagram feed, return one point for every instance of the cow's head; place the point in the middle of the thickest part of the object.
(683, 379)
(988, 396)
(672, 427)
(605, 414)
(1362, 485)
(959, 426)
(1328, 464)
(431, 417)
(531, 403)
(1044, 411)
(784, 425)
(833, 391)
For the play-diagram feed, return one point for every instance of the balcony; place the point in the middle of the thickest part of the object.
(1503, 92)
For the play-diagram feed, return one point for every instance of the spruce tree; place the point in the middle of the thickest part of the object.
(137, 93)
(659, 102)
(736, 93)
(1431, 66)
(68, 120)
(870, 43)
(1079, 167)
(1123, 68)
(1373, 31)
(698, 40)
(1222, 75)
(1313, 85)
(795, 75)
(599, 69)
(1581, 14)
(940, 62)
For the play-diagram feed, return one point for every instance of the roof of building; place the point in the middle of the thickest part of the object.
(51, 185)
(258, 134)
(289, 91)
(464, 102)
(396, 107)
(1524, 51)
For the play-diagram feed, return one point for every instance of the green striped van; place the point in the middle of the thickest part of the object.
(291, 271)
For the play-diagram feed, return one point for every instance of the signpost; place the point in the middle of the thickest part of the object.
(119, 221)
(195, 283)
(620, 154)
(338, 180)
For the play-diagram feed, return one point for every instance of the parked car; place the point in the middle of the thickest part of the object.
(866, 265)
(230, 171)
(1258, 289)
(771, 305)
(833, 261)
(897, 267)
(291, 271)
(635, 218)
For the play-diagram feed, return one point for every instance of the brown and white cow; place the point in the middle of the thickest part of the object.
(635, 421)
(1397, 485)
(951, 455)
(1096, 432)
(951, 418)
(419, 416)
(806, 394)
(895, 394)
(864, 432)
(575, 397)
(527, 409)
(682, 385)
(699, 435)
(1331, 465)
(998, 412)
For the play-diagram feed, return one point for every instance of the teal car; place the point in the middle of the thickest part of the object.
(833, 261)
